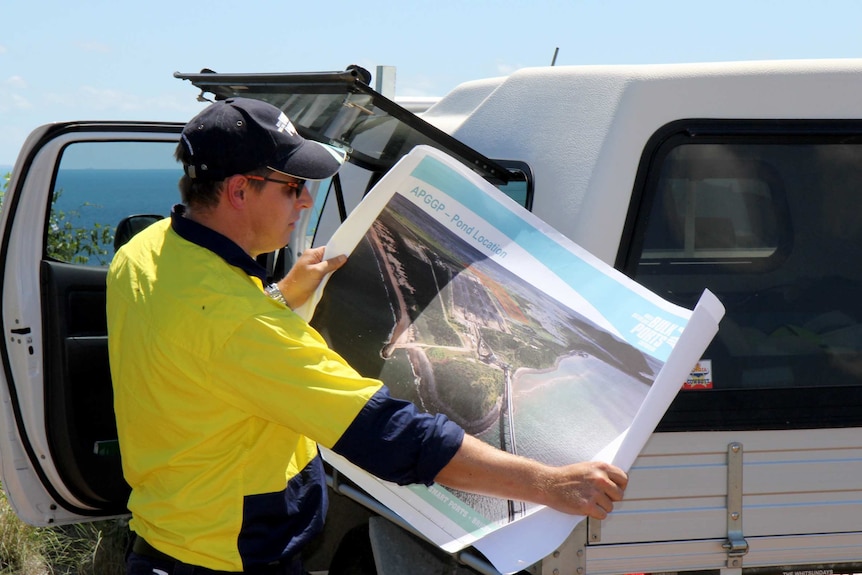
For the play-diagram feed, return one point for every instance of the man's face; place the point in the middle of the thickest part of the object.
(274, 209)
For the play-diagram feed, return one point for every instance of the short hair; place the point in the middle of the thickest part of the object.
(195, 192)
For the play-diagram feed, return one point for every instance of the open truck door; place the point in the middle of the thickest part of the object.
(72, 186)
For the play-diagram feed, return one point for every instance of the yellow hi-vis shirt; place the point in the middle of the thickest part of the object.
(221, 396)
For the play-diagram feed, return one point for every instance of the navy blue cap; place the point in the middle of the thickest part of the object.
(238, 135)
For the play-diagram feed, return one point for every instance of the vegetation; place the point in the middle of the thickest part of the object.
(69, 242)
(77, 245)
(468, 403)
(83, 549)
(523, 349)
(436, 328)
(96, 548)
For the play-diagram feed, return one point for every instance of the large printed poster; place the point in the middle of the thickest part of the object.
(465, 303)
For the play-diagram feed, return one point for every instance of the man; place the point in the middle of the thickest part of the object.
(222, 394)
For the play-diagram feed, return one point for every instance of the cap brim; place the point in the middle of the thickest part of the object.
(311, 161)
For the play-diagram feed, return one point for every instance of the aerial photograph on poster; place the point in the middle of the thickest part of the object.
(466, 304)
(455, 332)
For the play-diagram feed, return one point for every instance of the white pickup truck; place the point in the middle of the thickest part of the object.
(743, 178)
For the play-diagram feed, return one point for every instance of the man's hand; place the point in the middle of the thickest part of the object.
(306, 274)
(588, 488)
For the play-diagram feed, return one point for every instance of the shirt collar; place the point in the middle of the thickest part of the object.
(217, 243)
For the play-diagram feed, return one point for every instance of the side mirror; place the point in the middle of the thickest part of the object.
(131, 225)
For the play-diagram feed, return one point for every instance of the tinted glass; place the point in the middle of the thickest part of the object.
(774, 229)
(520, 184)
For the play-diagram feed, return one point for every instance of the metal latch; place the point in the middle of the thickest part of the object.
(736, 545)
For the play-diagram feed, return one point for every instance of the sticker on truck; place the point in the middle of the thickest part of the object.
(700, 377)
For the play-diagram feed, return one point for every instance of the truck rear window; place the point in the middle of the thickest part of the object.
(714, 203)
(766, 217)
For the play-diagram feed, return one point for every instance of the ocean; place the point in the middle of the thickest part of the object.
(88, 197)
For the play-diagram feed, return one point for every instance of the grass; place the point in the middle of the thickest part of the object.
(95, 548)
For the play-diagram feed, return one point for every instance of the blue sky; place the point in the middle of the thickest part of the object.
(115, 59)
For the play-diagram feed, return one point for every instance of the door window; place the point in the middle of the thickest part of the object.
(100, 183)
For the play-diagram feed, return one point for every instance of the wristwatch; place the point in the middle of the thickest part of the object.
(275, 293)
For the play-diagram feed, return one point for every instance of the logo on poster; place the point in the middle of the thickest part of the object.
(652, 332)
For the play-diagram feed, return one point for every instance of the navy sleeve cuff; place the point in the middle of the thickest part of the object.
(393, 440)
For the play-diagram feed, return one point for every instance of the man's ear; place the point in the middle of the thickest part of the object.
(235, 191)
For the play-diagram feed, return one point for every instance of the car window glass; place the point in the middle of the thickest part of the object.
(520, 184)
(516, 189)
(772, 229)
(97, 185)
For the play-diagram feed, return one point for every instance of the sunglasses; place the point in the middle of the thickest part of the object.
(296, 183)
